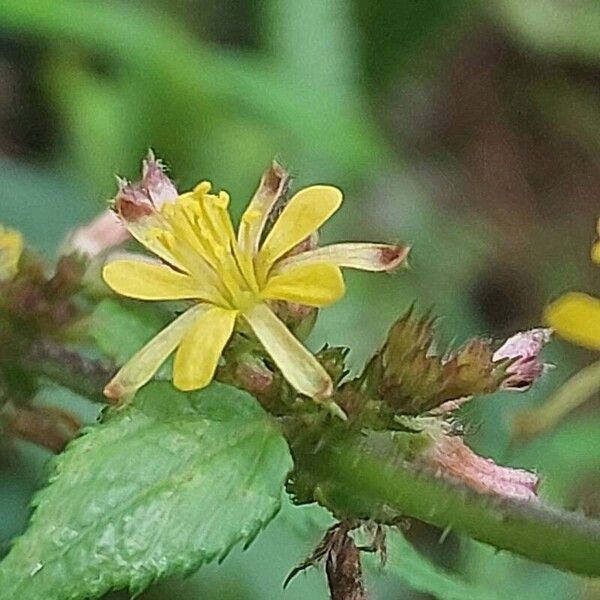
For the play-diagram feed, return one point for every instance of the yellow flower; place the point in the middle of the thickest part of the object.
(232, 278)
(11, 248)
(576, 316)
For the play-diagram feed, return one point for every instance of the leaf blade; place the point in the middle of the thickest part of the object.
(169, 483)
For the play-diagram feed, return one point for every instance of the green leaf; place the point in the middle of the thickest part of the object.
(419, 573)
(164, 485)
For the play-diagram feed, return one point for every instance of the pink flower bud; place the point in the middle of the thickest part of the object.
(132, 202)
(160, 188)
(104, 232)
(254, 377)
(452, 459)
(144, 197)
(524, 348)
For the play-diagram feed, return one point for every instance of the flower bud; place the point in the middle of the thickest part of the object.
(102, 233)
(524, 348)
(298, 318)
(333, 359)
(159, 186)
(132, 202)
(142, 198)
(251, 374)
(453, 460)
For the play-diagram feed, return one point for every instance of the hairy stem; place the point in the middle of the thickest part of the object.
(51, 428)
(353, 482)
(69, 368)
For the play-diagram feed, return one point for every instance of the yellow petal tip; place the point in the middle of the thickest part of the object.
(576, 317)
(187, 385)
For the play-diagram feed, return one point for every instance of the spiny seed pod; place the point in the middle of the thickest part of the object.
(412, 378)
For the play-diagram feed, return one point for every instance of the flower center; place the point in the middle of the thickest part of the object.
(197, 231)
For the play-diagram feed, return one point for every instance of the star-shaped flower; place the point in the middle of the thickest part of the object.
(232, 279)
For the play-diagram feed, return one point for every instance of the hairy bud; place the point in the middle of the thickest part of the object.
(142, 198)
(333, 359)
(412, 378)
(452, 459)
(132, 202)
(524, 348)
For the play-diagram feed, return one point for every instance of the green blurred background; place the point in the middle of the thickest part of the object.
(470, 130)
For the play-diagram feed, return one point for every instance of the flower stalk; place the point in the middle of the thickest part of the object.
(354, 480)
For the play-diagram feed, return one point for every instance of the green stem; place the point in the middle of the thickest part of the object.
(83, 375)
(352, 481)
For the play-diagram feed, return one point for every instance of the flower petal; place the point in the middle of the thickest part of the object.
(576, 317)
(144, 363)
(363, 256)
(297, 364)
(273, 185)
(199, 352)
(11, 248)
(596, 253)
(147, 231)
(596, 245)
(147, 281)
(303, 215)
(309, 284)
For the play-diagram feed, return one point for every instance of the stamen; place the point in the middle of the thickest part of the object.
(243, 261)
(180, 237)
(218, 221)
(198, 231)
(202, 188)
(222, 200)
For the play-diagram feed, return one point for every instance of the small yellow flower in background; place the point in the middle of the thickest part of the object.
(232, 278)
(11, 248)
(576, 316)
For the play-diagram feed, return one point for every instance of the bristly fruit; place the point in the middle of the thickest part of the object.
(411, 377)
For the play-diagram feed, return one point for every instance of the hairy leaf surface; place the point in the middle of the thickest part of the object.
(164, 485)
